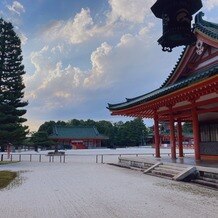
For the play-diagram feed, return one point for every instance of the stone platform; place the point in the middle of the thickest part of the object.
(184, 169)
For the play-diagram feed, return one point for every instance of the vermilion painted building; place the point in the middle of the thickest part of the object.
(190, 93)
(77, 137)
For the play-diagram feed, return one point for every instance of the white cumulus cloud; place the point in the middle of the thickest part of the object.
(129, 10)
(16, 7)
(54, 85)
(77, 29)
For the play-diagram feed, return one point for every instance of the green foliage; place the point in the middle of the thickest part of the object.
(130, 133)
(6, 177)
(47, 127)
(187, 128)
(40, 139)
(11, 87)
(120, 134)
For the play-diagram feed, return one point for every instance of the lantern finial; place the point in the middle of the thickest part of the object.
(177, 17)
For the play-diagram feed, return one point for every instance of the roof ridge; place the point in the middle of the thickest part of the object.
(175, 67)
(74, 126)
(199, 20)
(132, 99)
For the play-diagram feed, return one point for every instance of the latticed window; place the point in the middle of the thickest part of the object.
(209, 132)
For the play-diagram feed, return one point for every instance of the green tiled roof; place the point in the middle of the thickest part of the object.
(208, 28)
(60, 132)
(198, 76)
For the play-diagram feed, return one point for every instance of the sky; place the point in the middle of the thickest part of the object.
(80, 55)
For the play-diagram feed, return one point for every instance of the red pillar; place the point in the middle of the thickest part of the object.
(195, 125)
(156, 135)
(172, 137)
(180, 139)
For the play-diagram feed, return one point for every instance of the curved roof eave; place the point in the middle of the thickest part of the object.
(201, 25)
(197, 77)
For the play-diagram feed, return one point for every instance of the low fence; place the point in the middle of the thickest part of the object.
(101, 156)
(33, 157)
(98, 158)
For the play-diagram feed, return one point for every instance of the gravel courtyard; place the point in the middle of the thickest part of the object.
(86, 189)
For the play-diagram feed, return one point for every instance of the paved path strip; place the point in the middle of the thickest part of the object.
(89, 190)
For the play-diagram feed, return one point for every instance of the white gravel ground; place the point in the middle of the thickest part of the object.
(86, 189)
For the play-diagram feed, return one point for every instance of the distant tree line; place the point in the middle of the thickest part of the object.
(121, 134)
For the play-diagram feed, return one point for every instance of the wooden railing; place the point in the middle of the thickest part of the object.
(29, 157)
(99, 158)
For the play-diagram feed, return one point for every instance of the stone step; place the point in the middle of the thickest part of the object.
(139, 163)
(135, 164)
(158, 175)
(178, 166)
(210, 175)
(136, 168)
(147, 165)
(166, 174)
(167, 170)
(152, 167)
(208, 179)
(206, 183)
(137, 160)
(119, 165)
(178, 169)
(139, 166)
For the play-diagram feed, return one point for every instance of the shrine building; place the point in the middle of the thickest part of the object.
(77, 137)
(189, 94)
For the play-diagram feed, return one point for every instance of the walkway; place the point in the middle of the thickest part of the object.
(90, 190)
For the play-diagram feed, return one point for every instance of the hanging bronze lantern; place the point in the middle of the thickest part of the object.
(177, 17)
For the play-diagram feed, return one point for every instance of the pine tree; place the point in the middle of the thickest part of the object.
(11, 87)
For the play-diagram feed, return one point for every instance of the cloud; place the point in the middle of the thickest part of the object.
(128, 10)
(23, 38)
(21, 35)
(99, 61)
(16, 7)
(113, 63)
(76, 30)
(58, 49)
(81, 27)
(54, 86)
(210, 4)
